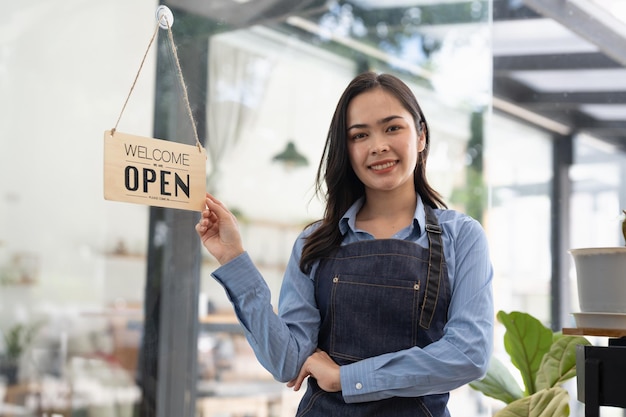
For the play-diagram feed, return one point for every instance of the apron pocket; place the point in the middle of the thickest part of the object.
(371, 316)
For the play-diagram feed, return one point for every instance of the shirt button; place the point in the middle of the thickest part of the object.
(358, 385)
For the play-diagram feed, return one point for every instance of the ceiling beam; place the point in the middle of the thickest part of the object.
(505, 106)
(592, 97)
(505, 87)
(589, 21)
(543, 62)
(609, 127)
(512, 89)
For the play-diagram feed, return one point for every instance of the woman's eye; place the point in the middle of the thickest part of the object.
(358, 136)
(393, 128)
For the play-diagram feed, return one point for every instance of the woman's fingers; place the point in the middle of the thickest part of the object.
(297, 383)
(321, 367)
(217, 208)
(206, 217)
(218, 231)
(305, 372)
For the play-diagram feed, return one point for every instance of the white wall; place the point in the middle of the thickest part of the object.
(65, 71)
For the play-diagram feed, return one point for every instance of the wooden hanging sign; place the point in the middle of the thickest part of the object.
(154, 172)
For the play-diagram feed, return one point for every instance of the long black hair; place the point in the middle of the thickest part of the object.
(343, 187)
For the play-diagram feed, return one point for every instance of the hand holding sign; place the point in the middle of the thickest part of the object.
(219, 232)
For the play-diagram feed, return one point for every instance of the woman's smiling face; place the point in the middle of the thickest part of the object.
(383, 141)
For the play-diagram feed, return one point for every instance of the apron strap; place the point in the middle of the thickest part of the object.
(435, 261)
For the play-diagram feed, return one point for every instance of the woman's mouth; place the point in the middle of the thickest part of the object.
(382, 166)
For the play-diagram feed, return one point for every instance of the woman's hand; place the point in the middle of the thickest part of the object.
(219, 232)
(321, 367)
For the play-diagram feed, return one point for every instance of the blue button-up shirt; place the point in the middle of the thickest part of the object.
(283, 341)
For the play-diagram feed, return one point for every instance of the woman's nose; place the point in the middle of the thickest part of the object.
(379, 145)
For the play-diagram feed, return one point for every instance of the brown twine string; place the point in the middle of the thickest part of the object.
(132, 87)
(179, 71)
(181, 79)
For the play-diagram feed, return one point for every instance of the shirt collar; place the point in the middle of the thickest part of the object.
(348, 221)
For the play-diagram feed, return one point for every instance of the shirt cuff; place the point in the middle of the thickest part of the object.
(238, 276)
(357, 382)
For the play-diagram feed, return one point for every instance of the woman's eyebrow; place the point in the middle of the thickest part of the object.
(388, 119)
(380, 122)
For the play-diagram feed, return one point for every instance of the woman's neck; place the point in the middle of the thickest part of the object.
(385, 213)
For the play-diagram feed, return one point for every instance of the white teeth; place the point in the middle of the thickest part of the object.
(382, 166)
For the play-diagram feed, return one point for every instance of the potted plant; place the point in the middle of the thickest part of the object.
(16, 341)
(601, 282)
(545, 360)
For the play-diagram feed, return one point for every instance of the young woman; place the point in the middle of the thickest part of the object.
(386, 304)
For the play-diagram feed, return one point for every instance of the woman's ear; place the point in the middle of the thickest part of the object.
(421, 141)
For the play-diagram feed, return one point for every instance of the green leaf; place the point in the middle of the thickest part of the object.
(498, 383)
(19, 337)
(552, 402)
(559, 364)
(526, 341)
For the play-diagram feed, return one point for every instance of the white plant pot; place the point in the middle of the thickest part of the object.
(601, 279)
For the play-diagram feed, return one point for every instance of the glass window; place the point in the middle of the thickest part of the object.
(72, 265)
(519, 173)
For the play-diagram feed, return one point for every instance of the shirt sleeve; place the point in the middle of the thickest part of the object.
(459, 357)
(280, 342)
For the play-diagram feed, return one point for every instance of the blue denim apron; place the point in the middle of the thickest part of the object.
(375, 297)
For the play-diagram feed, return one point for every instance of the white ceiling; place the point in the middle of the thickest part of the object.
(536, 36)
(565, 61)
(601, 80)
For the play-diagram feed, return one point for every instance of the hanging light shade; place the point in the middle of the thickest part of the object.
(291, 157)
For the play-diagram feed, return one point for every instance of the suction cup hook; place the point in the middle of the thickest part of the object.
(165, 17)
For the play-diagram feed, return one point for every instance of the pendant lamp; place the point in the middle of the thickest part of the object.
(290, 157)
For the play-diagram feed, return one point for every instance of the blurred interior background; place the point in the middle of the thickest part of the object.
(108, 308)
